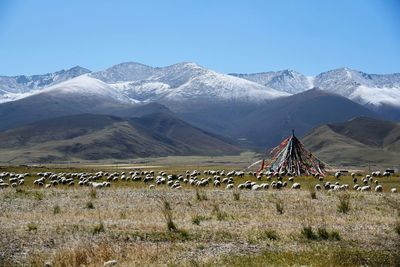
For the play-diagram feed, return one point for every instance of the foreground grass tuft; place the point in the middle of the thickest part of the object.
(322, 234)
(98, 228)
(344, 203)
(89, 205)
(397, 228)
(32, 227)
(197, 219)
(221, 215)
(201, 195)
(56, 209)
(269, 234)
(166, 211)
(93, 193)
(236, 195)
(279, 206)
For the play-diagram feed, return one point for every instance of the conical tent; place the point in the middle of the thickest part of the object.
(291, 157)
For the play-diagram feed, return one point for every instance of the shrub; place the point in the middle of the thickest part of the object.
(123, 215)
(38, 195)
(56, 209)
(93, 193)
(308, 233)
(279, 206)
(166, 211)
(323, 233)
(344, 203)
(236, 195)
(397, 228)
(32, 226)
(221, 216)
(89, 205)
(313, 194)
(200, 196)
(197, 219)
(269, 234)
(334, 235)
(98, 228)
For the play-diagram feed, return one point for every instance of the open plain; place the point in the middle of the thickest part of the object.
(133, 223)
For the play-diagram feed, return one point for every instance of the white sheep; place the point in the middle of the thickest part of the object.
(296, 186)
(229, 186)
(255, 187)
(393, 190)
(378, 188)
(365, 188)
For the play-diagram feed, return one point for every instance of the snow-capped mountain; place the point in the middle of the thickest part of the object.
(285, 80)
(124, 72)
(373, 90)
(363, 88)
(182, 82)
(86, 86)
(24, 84)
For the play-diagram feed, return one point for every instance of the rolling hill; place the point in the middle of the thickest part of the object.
(95, 137)
(361, 141)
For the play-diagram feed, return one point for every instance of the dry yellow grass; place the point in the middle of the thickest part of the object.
(127, 224)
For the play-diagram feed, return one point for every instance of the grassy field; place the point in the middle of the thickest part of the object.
(137, 226)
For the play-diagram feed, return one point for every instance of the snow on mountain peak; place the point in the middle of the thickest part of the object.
(131, 81)
(85, 85)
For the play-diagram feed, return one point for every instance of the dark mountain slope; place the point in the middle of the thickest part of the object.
(92, 137)
(265, 125)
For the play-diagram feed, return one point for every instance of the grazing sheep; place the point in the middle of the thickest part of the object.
(265, 186)
(229, 186)
(327, 185)
(152, 186)
(337, 175)
(255, 187)
(317, 187)
(296, 186)
(393, 190)
(378, 188)
(365, 188)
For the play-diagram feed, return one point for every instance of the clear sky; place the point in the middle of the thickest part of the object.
(245, 36)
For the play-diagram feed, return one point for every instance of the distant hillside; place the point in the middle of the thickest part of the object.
(93, 137)
(264, 125)
(357, 142)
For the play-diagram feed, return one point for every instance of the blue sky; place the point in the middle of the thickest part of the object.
(227, 36)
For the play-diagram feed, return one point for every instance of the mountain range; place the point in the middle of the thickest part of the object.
(250, 111)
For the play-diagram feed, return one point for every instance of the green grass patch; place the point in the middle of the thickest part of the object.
(316, 256)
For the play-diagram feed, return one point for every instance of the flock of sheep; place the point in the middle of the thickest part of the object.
(215, 178)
